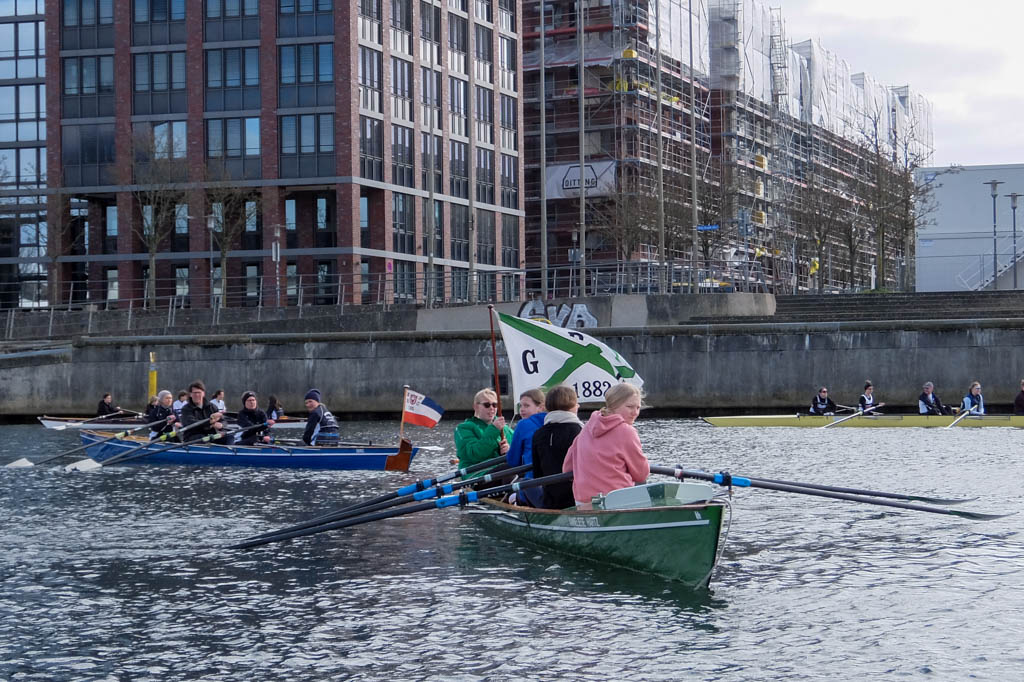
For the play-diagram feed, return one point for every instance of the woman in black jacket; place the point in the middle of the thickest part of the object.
(552, 441)
(252, 415)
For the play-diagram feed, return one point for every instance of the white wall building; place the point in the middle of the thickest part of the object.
(955, 248)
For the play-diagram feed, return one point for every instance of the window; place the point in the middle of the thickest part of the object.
(509, 122)
(370, 68)
(509, 181)
(112, 284)
(169, 140)
(458, 169)
(401, 78)
(158, 71)
(430, 22)
(181, 219)
(252, 216)
(458, 33)
(485, 176)
(485, 242)
(307, 134)
(483, 10)
(401, 156)
(403, 222)
(181, 280)
(22, 50)
(437, 250)
(307, 63)
(289, 215)
(507, 62)
(215, 9)
(159, 10)
(510, 241)
(484, 114)
(233, 68)
(430, 96)
(88, 75)
(111, 221)
(322, 215)
(232, 137)
(371, 149)
(458, 103)
(483, 49)
(460, 232)
(431, 156)
(401, 15)
(370, 9)
(88, 12)
(507, 15)
(305, 18)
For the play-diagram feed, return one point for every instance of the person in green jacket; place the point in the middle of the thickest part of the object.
(484, 435)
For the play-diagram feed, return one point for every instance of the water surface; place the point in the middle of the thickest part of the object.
(121, 574)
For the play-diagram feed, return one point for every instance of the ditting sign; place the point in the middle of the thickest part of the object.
(563, 181)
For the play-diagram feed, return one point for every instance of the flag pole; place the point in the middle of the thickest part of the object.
(401, 426)
(494, 355)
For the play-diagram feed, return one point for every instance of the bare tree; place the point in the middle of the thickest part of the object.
(158, 184)
(233, 209)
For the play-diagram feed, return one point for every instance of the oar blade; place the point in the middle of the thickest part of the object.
(977, 516)
(84, 465)
(23, 462)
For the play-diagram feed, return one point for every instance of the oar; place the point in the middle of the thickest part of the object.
(852, 416)
(871, 493)
(146, 453)
(90, 464)
(461, 499)
(24, 462)
(724, 478)
(962, 415)
(61, 427)
(429, 493)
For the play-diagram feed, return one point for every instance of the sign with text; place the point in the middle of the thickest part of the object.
(563, 181)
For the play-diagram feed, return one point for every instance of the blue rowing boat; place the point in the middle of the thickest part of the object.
(343, 456)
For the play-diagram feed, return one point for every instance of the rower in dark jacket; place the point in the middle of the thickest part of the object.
(821, 403)
(252, 415)
(197, 409)
(106, 406)
(928, 402)
(162, 410)
(867, 399)
(552, 441)
(321, 426)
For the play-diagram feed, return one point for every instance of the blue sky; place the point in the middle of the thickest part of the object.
(969, 63)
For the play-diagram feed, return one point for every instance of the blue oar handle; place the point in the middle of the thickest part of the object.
(725, 478)
(434, 492)
(416, 487)
(460, 499)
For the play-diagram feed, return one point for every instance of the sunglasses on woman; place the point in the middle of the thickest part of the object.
(488, 404)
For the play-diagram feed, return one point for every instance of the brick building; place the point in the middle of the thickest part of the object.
(321, 111)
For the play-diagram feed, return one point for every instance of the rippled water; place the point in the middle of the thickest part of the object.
(121, 574)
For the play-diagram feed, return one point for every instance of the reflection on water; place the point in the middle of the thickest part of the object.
(122, 573)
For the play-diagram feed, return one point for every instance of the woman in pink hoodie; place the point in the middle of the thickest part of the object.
(607, 455)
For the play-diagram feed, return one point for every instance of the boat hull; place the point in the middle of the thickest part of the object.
(675, 542)
(869, 421)
(121, 424)
(375, 458)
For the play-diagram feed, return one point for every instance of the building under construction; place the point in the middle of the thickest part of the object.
(796, 161)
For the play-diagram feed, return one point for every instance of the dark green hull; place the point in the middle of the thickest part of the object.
(678, 542)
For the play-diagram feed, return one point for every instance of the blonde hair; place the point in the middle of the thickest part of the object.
(974, 384)
(618, 394)
(534, 394)
(483, 393)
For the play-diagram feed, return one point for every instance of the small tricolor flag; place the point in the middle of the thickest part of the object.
(421, 410)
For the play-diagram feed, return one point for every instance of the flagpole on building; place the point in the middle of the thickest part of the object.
(494, 355)
(401, 426)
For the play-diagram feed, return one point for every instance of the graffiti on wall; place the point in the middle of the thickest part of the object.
(574, 316)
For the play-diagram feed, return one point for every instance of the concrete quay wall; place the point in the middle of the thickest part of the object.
(690, 369)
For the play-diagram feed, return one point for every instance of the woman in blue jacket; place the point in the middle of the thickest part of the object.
(531, 412)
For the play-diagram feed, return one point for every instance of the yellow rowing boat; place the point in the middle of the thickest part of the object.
(879, 420)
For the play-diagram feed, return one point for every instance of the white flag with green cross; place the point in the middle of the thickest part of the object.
(543, 356)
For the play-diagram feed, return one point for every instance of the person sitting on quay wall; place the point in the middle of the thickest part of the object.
(867, 399)
(197, 409)
(821, 403)
(321, 426)
(551, 442)
(1018, 402)
(520, 451)
(106, 406)
(163, 410)
(484, 435)
(607, 454)
(252, 415)
(928, 402)
(974, 401)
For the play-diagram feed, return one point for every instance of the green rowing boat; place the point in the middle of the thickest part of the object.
(868, 420)
(670, 530)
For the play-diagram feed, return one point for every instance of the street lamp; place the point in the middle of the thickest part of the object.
(994, 184)
(1013, 205)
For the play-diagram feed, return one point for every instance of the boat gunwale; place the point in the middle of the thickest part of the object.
(517, 509)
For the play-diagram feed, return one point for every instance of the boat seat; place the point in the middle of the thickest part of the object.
(656, 495)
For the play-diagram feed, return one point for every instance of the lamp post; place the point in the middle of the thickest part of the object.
(1013, 206)
(994, 184)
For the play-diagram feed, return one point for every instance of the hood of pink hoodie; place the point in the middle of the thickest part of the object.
(601, 425)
